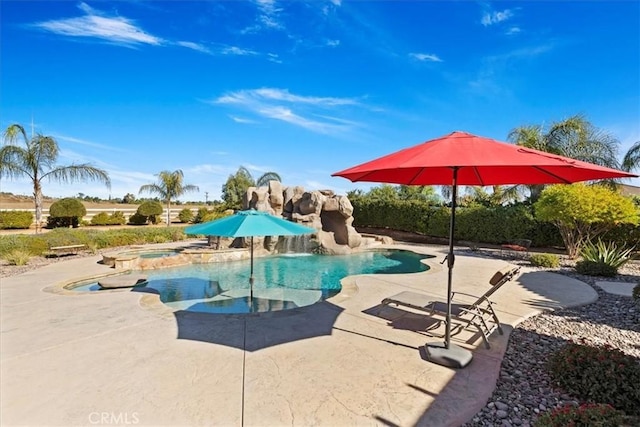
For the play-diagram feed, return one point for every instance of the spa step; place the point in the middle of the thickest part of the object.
(124, 281)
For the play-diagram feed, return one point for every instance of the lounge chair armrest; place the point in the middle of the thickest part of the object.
(462, 293)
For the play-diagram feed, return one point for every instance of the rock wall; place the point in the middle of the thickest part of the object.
(331, 215)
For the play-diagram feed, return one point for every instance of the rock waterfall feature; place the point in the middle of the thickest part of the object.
(330, 214)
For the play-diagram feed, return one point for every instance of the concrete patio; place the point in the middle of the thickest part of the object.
(122, 357)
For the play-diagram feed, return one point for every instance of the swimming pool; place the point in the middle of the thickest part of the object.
(280, 282)
(158, 253)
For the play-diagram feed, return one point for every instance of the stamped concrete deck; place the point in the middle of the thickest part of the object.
(123, 358)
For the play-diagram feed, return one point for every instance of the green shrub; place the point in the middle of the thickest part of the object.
(606, 253)
(150, 209)
(602, 259)
(15, 219)
(590, 268)
(18, 257)
(137, 219)
(598, 374)
(200, 215)
(587, 415)
(206, 215)
(38, 244)
(103, 218)
(185, 215)
(67, 212)
(545, 260)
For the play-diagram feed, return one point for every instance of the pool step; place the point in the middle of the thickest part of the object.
(124, 281)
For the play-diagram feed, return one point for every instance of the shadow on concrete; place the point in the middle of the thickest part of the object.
(431, 326)
(252, 332)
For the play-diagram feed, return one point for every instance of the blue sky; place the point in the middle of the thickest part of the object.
(303, 88)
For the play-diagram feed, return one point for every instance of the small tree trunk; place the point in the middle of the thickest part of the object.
(168, 213)
(37, 196)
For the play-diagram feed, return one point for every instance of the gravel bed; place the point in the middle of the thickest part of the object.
(524, 390)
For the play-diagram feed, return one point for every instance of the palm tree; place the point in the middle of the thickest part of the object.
(266, 177)
(170, 186)
(37, 160)
(631, 160)
(574, 137)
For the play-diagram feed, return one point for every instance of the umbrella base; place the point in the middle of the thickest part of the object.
(452, 357)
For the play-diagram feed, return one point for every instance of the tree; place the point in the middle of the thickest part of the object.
(418, 192)
(129, 198)
(266, 177)
(151, 210)
(383, 192)
(631, 160)
(582, 212)
(237, 185)
(574, 137)
(170, 186)
(500, 195)
(37, 160)
(67, 212)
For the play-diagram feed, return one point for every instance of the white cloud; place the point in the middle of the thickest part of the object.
(495, 17)
(194, 46)
(268, 17)
(298, 110)
(234, 50)
(94, 24)
(287, 115)
(425, 57)
(513, 30)
(273, 57)
(209, 169)
(242, 120)
(88, 143)
(113, 29)
(333, 43)
(285, 95)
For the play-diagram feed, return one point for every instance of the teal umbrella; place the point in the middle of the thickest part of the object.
(248, 224)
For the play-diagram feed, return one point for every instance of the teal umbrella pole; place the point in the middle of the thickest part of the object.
(251, 276)
(249, 223)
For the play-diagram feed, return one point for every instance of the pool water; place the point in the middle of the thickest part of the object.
(280, 282)
(154, 254)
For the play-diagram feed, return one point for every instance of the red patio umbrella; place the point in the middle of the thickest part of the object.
(461, 158)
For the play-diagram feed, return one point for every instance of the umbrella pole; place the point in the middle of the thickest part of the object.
(451, 258)
(449, 355)
(251, 277)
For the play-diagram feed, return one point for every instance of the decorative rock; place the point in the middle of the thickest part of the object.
(276, 197)
(323, 210)
(502, 406)
(123, 281)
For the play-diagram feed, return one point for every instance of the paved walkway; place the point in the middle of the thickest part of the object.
(122, 358)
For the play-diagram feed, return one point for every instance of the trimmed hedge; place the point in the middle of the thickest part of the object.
(476, 223)
(185, 215)
(15, 219)
(67, 212)
(104, 218)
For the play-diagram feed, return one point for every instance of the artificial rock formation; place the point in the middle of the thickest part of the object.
(329, 214)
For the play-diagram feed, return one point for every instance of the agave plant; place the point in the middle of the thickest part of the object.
(606, 253)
